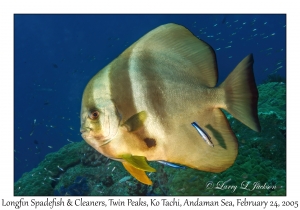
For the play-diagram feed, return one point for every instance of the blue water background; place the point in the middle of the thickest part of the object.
(56, 55)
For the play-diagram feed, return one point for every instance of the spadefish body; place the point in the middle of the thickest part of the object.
(140, 107)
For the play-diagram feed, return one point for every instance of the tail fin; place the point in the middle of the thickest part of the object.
(241, 94)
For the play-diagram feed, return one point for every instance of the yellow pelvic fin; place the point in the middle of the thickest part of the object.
(140, 175)
(136, 121)
(138, 162)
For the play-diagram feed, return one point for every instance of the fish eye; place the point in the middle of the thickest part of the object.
(94, 115)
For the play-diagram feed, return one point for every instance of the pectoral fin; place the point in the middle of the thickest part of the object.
(140, 175)
(136, 121)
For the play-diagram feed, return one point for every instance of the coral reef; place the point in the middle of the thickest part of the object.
(78, 188)
(260, 168)
(42, 180)
(274, 77)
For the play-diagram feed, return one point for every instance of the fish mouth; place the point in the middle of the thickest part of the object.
(84, 130)
(85, 134)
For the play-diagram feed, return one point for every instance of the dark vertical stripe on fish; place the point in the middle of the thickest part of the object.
(120, 86)
(153, 84)
(91, 103)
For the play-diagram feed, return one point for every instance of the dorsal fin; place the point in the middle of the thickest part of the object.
(169, 42)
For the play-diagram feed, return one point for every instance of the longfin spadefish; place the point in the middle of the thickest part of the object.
(136, 121)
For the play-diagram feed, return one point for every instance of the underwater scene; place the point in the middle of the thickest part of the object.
(150, 105)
